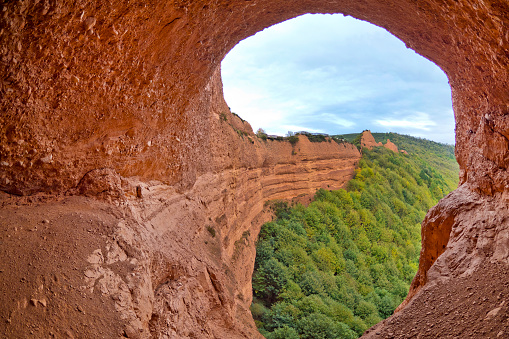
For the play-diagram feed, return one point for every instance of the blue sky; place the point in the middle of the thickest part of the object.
(336, 74)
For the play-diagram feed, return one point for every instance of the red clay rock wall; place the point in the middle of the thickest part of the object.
(134, 86)
(173, 261)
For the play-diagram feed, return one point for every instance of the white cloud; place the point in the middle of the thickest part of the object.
(240, 97)
(420, 121)
(332, 118)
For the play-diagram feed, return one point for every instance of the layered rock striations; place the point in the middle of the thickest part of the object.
(122, 100)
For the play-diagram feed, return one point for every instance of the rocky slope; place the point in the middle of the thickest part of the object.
(464, 289)
(122, 101)
(390, 145)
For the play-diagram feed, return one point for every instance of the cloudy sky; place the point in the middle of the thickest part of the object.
(336, 74)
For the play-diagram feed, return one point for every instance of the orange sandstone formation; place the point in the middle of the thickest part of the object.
(122, 101)
(390, 145)
(368, 141)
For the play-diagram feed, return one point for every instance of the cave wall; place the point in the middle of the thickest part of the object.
(133, 87)
(126, 84)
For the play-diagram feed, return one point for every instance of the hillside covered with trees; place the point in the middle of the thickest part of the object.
(345, 262)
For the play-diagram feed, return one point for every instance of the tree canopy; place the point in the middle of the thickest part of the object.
(345, 262)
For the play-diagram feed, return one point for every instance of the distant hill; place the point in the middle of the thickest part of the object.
(400, 140)
(348, 137)
(427, 152)
(417, 145)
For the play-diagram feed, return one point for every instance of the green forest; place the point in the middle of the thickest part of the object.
(345, 262)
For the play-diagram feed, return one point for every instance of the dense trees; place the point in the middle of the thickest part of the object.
(340, 265)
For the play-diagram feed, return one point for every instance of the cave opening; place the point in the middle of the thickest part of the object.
(342, 78)
(335, 74)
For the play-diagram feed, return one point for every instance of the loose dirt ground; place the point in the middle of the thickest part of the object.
(41, 286)
(475, 306)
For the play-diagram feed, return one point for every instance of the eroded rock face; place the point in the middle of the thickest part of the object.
(390, 145)
(134, 87)
(368, 141)
(160, 262)
(463, 271)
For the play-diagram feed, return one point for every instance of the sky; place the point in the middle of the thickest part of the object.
(335, 74)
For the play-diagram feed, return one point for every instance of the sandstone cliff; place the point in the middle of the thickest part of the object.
(122, 100)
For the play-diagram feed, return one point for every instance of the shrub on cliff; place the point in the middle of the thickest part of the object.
(317, 137)
(260, 133)
(293, 139)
